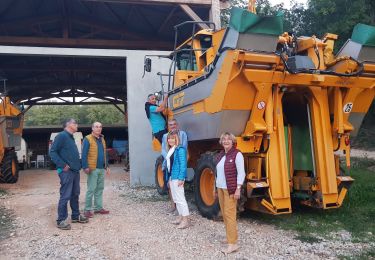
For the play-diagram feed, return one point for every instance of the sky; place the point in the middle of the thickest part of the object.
(287, 3)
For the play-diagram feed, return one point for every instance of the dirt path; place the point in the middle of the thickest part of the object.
(137, 228)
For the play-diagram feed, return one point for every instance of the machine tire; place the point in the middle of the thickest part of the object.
(9, 168)
(204, 181)
(159, 176)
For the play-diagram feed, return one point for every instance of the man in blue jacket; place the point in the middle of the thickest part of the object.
(64, 153)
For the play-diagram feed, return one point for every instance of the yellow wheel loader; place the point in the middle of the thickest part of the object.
(290, 101)
(11, 126)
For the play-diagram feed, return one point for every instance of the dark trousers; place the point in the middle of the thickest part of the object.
(69, 192)
(159, 135)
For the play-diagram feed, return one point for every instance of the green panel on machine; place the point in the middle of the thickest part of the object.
(302, 158)
(287, 148)
(244, 21)
(364, 34)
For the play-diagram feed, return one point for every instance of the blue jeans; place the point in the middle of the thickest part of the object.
(69, 191)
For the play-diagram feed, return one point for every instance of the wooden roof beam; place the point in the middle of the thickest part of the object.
(97, 43)
(193, 15)
(166, 20)
(157, 2)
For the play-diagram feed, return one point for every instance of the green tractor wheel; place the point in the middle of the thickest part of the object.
(9, 168)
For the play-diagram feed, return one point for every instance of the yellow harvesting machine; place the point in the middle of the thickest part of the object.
(11, 126)
(290, 101)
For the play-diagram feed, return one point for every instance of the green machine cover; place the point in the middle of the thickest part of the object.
(244, 21)
(364, 34)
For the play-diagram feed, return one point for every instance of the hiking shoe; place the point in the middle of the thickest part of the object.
(88, 214)
(102, 211)
(64, 225)
(80, 219)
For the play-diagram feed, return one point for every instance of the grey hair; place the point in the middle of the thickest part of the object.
(92, 126)
(230, 135)
(68, 121)
(172, 120)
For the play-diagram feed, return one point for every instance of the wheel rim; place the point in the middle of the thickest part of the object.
(14, 168)
(160, 177)
(207, 182)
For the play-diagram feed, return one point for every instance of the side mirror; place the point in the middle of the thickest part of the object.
(147, 64)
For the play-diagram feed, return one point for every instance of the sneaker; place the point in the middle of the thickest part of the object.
(88, 214)
(230, 249)
(171, 210)
(184, 224)
(102, 211)
(80, 219)
(177, 221)
(64, 225)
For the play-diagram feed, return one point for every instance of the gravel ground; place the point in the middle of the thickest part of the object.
(139, 228)
(362, 153)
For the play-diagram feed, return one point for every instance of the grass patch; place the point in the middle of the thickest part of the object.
(355, 218)
(3, 192)
(6, 223)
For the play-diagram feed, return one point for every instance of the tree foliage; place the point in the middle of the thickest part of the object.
(84, 114)
(318, 17)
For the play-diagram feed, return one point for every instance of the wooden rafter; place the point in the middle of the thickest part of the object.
(90, 22)
(157, 2)
(129, 14)
(149, 24)
(97, 43)
(57, 67)
(190, 12)
(113, 13)
(8, 7)
(30, 21)
(166, 20)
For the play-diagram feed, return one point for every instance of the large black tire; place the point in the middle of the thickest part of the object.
(204, 182)
(9, 168)
(159, 176)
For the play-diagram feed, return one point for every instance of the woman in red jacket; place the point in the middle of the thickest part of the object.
(230, 175)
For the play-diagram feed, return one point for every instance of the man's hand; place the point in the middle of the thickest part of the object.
(237, 194)
(181, 183)
(215, 194)
(108, 171)
(87, 170)
(66, 168)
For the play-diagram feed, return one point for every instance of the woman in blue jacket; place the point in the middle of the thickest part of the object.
(176, 174)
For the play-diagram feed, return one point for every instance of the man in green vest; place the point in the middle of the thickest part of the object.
(95, 165)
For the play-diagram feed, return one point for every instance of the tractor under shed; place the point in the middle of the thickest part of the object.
(89, 52)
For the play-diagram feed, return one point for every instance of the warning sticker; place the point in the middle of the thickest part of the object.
(261, 105)
(348, 108)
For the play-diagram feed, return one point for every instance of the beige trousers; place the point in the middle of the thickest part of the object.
(228, 206)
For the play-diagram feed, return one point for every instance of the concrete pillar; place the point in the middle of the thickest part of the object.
(142, 157)
(215, 14)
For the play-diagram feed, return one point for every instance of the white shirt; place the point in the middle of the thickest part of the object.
(240, 166)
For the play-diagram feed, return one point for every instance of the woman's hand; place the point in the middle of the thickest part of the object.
(181, 183)
(237, 194)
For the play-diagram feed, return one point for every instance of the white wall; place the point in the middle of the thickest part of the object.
(142, 157)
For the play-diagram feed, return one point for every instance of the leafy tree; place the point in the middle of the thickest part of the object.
(84, 114)
(338, 17)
